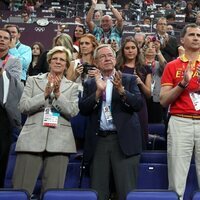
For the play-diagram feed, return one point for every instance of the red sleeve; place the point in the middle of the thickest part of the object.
(168, 75)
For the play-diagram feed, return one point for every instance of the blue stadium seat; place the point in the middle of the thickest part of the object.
(192, 184)
(152, 176)
(152, 195)
(70, 195)
(196, 195)
(154, 157)
(158, 129)
(72, 177)
(156, 137)
(6, 194)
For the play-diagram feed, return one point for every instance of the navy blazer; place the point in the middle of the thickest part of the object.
(124, 116)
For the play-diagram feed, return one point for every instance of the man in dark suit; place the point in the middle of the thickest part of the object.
(169, 46)
(113, 137)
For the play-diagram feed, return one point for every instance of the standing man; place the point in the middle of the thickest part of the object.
(113, 137)
(169, 46)
(10, 93)
(107, 32)
(180, 89)
(19, 50)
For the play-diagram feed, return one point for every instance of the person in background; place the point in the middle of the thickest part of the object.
(113, 139)
(169, 46)
(59, 40)
(19, 50)
(181, 92)
(140, 39)
(78, 20)
(153, 58)
(189, 12)
(81, 68)
(98, 14)
(26, 17)
(46, 140)
(10, 93)
(198, 18)
(129, 62)
(147, 20)
(37, 50)
(170, 30)
(78, 32)
(106, 32)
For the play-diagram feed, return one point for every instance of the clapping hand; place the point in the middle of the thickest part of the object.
(56, 90)
(53, 85)
(117, 82)
(94, 2)
(188, 72)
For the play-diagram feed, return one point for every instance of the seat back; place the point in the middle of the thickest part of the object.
(154, 157)
(157, 137)
(70, 195)
(12, 194)
(152, 176)
(196, 195)
(152, 195)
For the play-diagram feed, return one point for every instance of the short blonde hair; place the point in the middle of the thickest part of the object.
(60, 49)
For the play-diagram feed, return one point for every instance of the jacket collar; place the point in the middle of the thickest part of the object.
(183, 58)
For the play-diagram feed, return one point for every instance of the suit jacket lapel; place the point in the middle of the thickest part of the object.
(41, 81)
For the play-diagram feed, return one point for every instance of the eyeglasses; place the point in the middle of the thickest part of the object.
(56, 59)
(104, 56)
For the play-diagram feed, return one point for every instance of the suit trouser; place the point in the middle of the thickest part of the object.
(5, 142)
(183, 140)
(108, 156)
(28, 167)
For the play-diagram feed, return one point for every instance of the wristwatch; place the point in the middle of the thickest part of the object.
(182, 86)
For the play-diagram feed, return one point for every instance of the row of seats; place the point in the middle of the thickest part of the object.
(78, 194)
(152, 173)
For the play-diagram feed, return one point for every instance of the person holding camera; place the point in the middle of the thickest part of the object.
(83, 67)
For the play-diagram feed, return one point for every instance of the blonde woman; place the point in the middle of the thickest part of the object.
(46, 140)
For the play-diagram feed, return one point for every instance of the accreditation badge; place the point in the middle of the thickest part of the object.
(195, 97)
(50, 118)
(107, 113)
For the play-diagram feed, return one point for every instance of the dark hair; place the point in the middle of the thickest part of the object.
(121, 56)
(12, 25)
(6, 30)
(41, 46)
(84, 31)
(184, 30)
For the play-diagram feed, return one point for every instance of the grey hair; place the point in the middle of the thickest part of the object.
(95, 54)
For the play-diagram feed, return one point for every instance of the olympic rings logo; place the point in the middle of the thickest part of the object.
(39, 29)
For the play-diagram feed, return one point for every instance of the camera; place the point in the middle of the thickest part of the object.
(87, 67)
